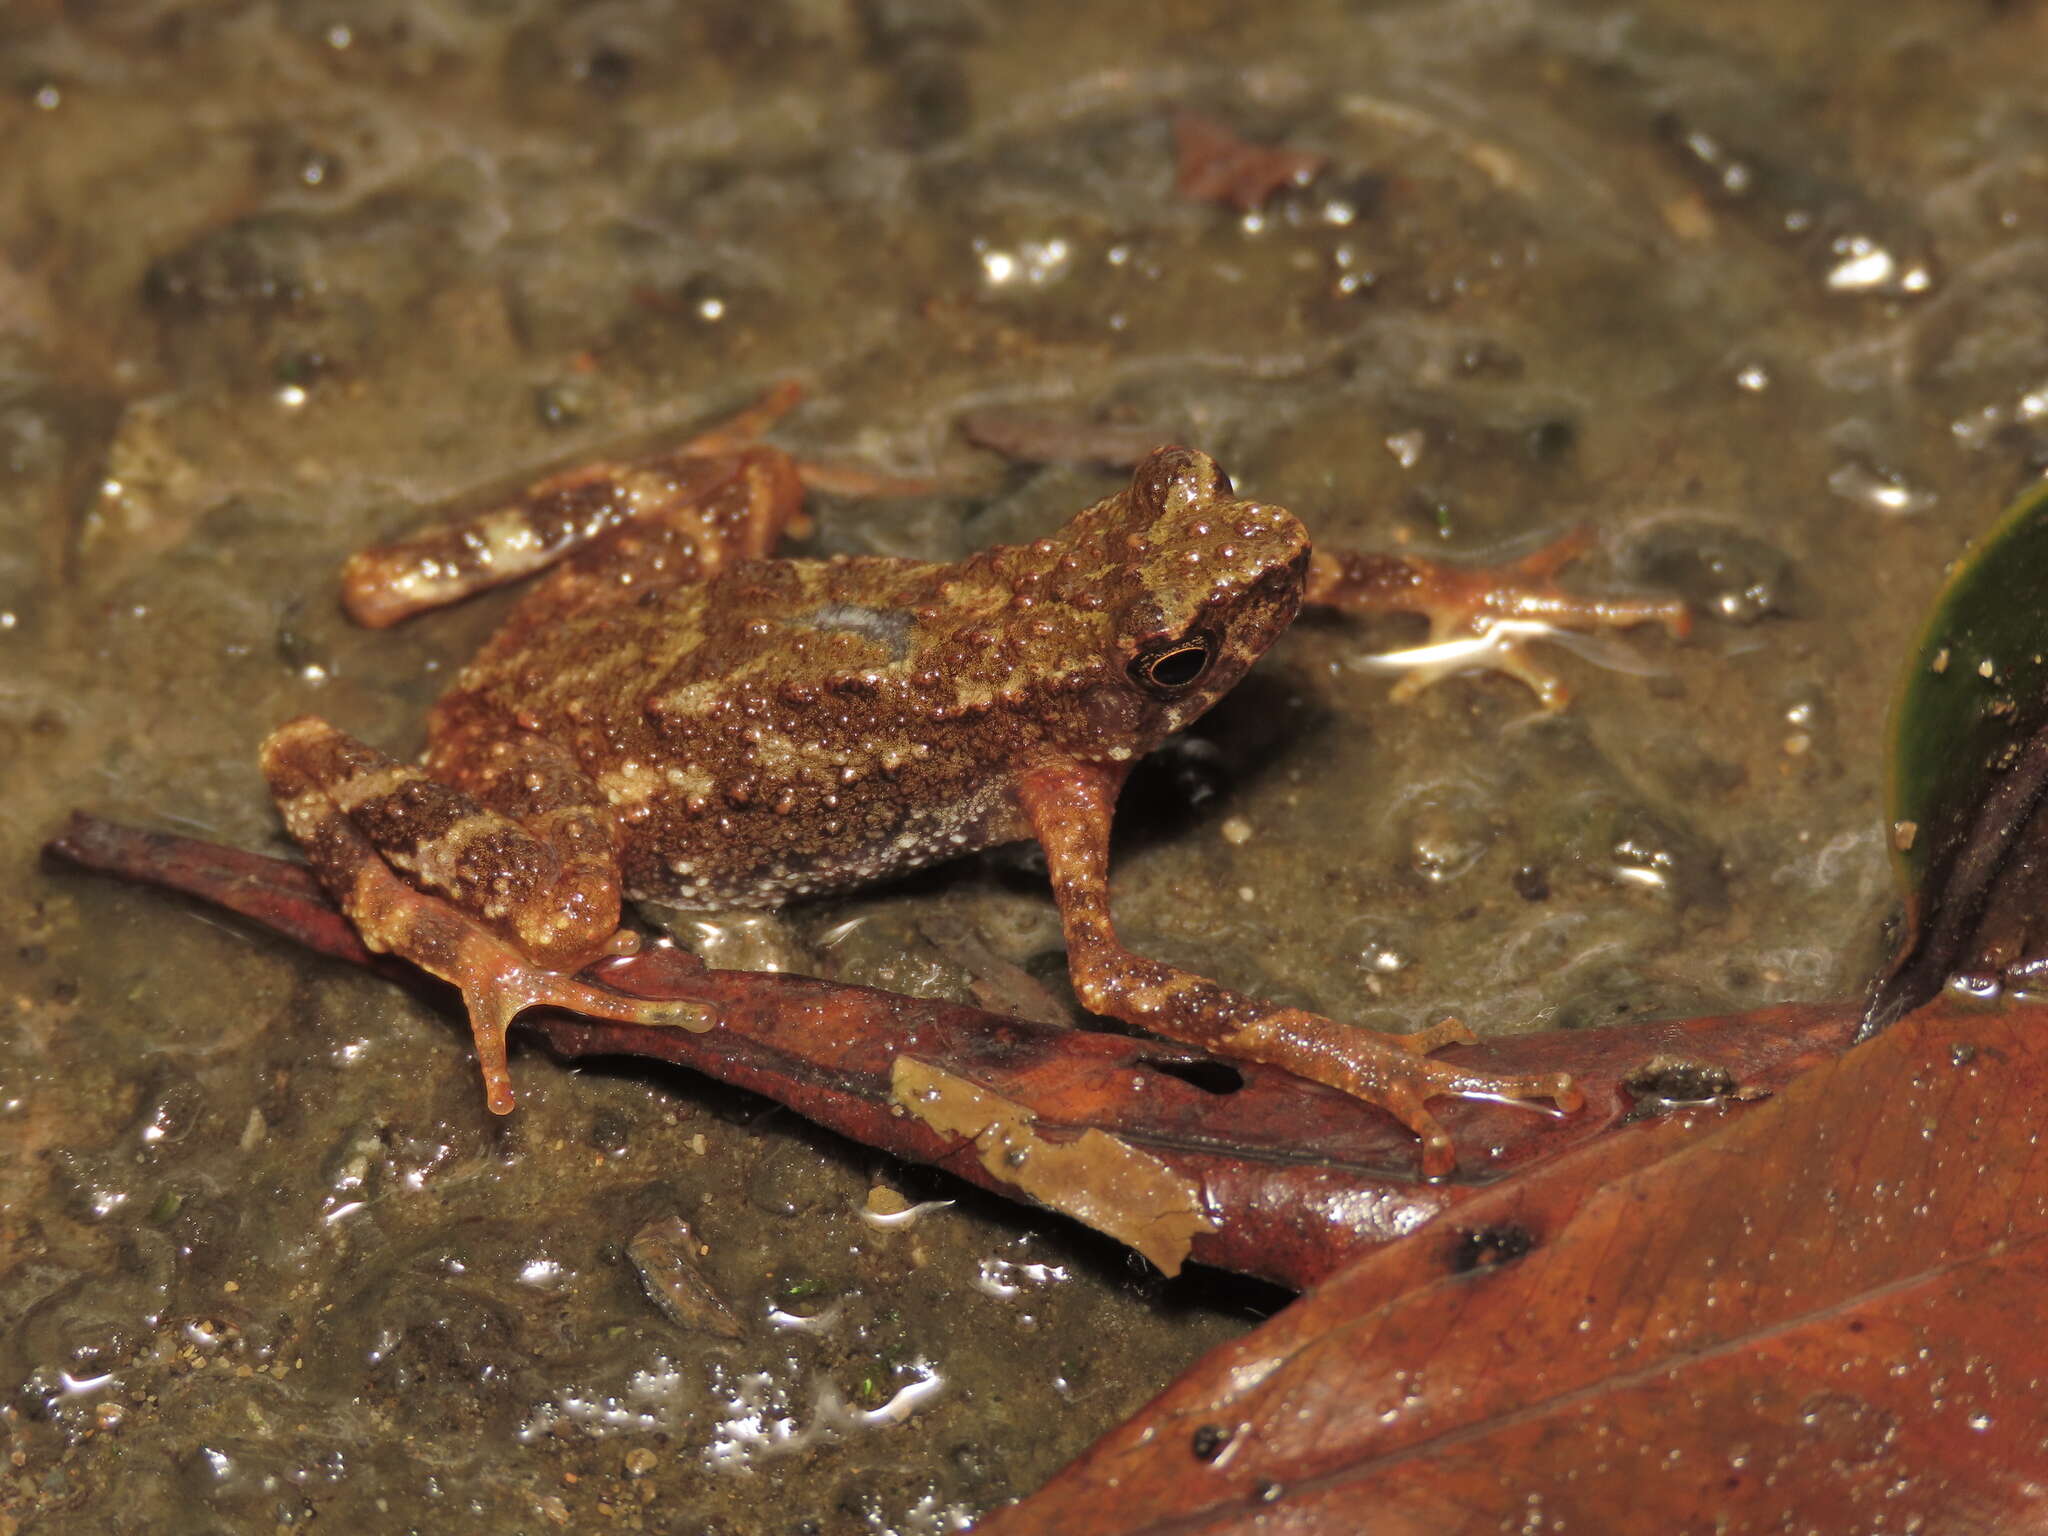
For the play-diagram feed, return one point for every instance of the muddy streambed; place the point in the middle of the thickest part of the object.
(1754, 292)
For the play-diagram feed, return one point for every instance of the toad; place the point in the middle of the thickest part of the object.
(674, 714)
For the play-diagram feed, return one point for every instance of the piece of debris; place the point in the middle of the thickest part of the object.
(1214, 165)
(664, 1254)
(1094, 1178)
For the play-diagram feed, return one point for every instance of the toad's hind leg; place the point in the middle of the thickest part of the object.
(501, 910)
(714, 499)
(1069, 811)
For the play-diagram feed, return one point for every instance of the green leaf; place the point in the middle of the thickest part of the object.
(1969, 747)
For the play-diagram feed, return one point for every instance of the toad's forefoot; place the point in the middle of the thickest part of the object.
(1069, 811)
(1392, 1071)
(1481, 617)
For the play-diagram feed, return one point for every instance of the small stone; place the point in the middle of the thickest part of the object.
(884, 1201)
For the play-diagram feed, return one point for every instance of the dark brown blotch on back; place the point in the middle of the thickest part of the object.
(416, 813)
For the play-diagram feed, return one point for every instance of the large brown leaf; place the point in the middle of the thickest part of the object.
(1277, 1177)
(1824, 1316)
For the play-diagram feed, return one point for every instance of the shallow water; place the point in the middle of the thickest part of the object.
(1756, 292)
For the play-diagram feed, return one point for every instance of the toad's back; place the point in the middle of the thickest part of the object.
(794, 726)
(786, 727)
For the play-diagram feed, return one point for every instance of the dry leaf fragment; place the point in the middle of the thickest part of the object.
(1214, 165)
(664, 1254)
(1093, 1178)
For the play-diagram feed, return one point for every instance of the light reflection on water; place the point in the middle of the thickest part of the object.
(754, 1415)
(760, 1420)
(1005, 1280)
(1843, 429)
(658, 1398)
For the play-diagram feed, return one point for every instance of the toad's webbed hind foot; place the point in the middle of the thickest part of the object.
(497, 982)
(355, 812)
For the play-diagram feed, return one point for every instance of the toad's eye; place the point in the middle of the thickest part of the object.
(1170, 666)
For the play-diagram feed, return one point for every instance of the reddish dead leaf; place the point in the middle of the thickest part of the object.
(1214, 165)
(1288, 1178)
(1824, 1315)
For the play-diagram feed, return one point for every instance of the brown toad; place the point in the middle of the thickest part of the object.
(671, 714)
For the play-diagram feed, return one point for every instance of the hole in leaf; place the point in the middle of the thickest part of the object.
(1490, 1247)
(1675, 1080)
(1210, 1076)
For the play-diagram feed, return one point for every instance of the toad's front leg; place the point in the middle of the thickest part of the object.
(505, 910)
(1069, 808)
